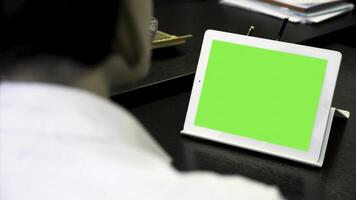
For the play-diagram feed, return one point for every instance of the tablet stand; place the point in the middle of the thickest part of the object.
(334, 112)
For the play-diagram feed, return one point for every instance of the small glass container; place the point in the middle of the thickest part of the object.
(153, 28)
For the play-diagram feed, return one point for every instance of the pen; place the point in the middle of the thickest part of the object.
(283, 27)
(250, 30)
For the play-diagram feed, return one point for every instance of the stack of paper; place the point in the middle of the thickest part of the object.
(298, 11)
(305, 5)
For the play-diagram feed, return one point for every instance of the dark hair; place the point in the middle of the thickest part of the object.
(79, 29)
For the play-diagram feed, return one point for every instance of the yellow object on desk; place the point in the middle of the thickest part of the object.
(163, 39)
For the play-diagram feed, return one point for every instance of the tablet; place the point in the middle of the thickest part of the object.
(264, 95)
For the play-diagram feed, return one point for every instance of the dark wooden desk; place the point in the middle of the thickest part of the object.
(195, 17)
(162, 107)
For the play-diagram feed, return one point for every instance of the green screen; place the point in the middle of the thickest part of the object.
(261, 94)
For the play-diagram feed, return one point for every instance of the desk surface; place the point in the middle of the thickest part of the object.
(195, 17)
(162, 108)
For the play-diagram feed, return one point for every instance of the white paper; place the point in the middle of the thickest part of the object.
(306, 3)
(282, 13)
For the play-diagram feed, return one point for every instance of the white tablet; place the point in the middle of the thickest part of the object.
(263, 95)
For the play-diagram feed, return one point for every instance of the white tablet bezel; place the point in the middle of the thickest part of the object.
(320, 125)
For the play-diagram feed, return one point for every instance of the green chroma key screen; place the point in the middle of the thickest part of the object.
(261, 94)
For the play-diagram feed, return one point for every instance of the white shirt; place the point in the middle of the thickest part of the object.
(62, 143)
